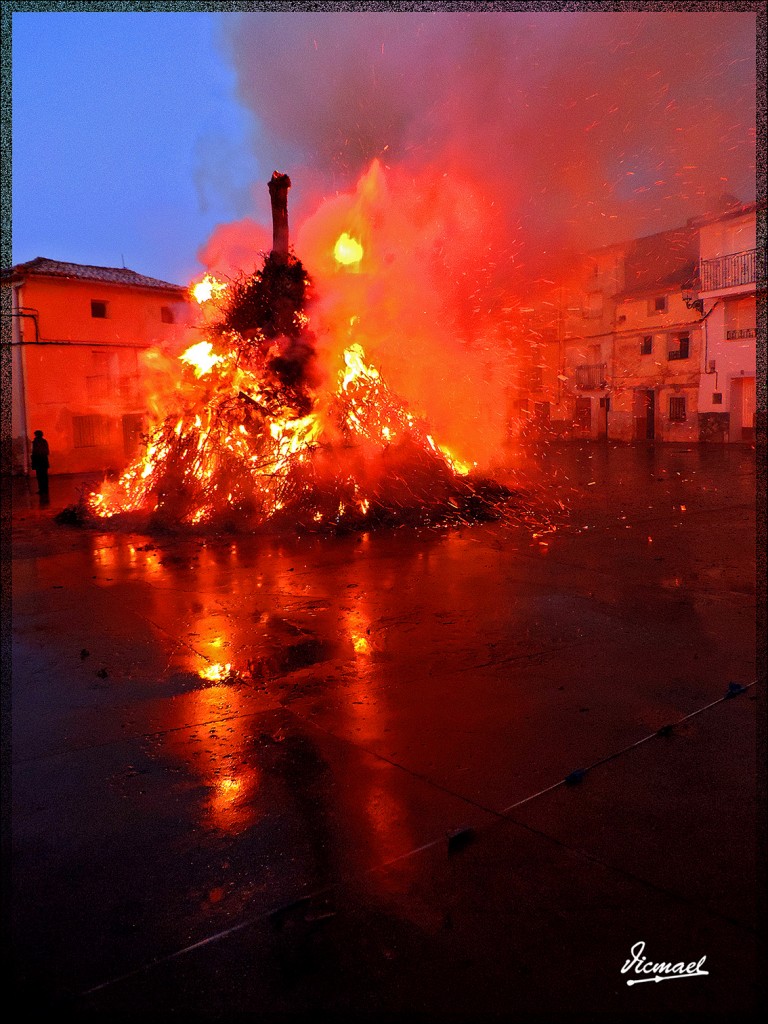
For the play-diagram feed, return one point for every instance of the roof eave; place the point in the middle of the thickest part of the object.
(17, 278)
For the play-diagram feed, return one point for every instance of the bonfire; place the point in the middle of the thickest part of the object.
(259, 437)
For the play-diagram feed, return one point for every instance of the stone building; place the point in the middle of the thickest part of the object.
(652, 339)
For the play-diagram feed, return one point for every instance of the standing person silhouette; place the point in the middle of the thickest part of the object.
(40, 464)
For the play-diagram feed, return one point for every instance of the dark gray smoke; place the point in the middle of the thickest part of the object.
(586, 127)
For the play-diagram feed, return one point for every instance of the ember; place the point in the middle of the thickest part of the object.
(255, 435)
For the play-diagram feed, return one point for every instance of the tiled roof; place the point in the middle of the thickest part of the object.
(728, 213)
(660, 263)
(42, 267)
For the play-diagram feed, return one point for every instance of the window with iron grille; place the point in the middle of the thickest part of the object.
(90, 431)
(740, 318)
(679, 346)
(646, 345)
(677, 409)
(658, 304)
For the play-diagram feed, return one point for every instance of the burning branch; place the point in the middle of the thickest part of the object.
(260, 440)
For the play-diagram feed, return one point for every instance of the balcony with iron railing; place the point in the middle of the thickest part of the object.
(590, 376)
(732, 271)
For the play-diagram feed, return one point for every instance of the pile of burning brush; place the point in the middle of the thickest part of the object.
(255, 439)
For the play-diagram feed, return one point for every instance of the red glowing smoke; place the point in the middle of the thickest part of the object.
(501, 142)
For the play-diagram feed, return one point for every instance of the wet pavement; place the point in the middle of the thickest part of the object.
(270, 776)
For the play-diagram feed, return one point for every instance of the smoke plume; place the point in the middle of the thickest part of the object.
(467, 152)
(604, 125)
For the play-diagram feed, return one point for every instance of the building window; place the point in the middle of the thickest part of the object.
(90, 431)
(677, 409)
(679, 346)
(166, 315)
(582, 414)
(99, 383)
(98, 387)
(594, 304)
(717, 398)
(658, 304)
(535, 377)
(740, 318)
(98, 309)
(128, 388)
(646, 345)
(133, 425)
(103, 361)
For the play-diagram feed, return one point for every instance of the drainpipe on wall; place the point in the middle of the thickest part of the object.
(707, 368)
(698, 304)
(22, 376)
(704, 317)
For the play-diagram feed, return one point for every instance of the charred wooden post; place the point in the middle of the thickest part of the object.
(278, 194)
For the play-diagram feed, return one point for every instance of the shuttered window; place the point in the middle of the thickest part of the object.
(677, 409)
(90, 431)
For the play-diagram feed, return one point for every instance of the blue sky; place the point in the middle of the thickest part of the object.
(128, 142)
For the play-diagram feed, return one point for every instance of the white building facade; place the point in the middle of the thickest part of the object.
(728, 284)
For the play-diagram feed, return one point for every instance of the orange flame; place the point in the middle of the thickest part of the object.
(201, 357)
(354, 360)
(207, 289)
(347, 250)
(244, 445)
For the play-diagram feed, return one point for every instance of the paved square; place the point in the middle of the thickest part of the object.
(237, 761)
